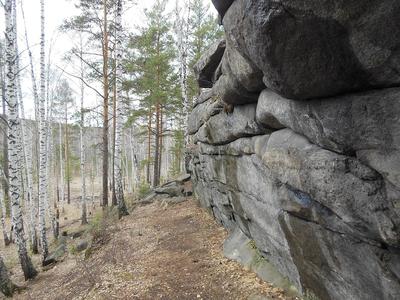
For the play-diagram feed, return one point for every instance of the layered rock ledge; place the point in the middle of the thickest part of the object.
(315, 183)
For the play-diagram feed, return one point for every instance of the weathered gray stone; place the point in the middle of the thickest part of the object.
(202, 113)
(82, 245)
(315, 184)
(240, 248)
(352, 191)
(227, 127)
(183, 178)
(171, 189)
(229, 88)
(366, 125)
(205, 95)
(236, 148)
(205, 68)
(312, 49)
(245, 192)
(58, 252)
(248, 75)
(335, 266)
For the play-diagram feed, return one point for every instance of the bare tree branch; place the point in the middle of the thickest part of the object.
(84, 82)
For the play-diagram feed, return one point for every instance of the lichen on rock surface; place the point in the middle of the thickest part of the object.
(316, 183)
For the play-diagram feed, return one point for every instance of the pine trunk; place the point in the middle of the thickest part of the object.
(135, 164)
(156, 178)
(161, 144)
(149, 128)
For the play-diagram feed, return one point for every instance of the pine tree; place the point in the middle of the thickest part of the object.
(155, 78)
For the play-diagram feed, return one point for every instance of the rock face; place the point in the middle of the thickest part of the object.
(311, 49)
(207, 65)
(315, 184)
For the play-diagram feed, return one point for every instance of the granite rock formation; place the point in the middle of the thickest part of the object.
(308, 163)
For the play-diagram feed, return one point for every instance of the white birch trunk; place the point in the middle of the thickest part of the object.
(62, 183)
(14, 142)
(29, 200)
(83, 149)
(27, 150)
(182, 32)
(49, 151)
(42, 142)
(33, 77)
(119, 114)
(2, 216)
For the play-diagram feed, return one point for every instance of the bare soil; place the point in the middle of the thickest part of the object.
(158, 252)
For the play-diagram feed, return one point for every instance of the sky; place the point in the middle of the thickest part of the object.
(56, 11)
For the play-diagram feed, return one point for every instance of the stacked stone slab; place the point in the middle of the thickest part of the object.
(308, 163)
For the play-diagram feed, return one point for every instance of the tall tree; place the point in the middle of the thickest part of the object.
(155, 78)
(96, 22)
(182, 33)
(14, 141)
(105, 48)
(119, 114)
(42, 140)
(82, 138)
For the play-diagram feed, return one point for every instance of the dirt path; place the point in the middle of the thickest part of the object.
(155, 253)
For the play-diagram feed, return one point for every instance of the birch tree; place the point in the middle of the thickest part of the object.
(62, 174)
(42, 140)
(120, 111)
(182, 32)
(27, 150)
(6, 239)
(83, 148)
(14, 142)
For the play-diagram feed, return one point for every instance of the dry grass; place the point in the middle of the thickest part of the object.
(172, 252)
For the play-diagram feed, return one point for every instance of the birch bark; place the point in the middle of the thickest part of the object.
(119, 114)
(14, 142)
(42, 140)
(83, 149)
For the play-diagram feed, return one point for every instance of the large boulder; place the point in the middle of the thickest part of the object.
(312, 49)
(225, 127)
(206, 67)
(240, 81)
(366, 125)
(202, 112)
(341, 184)
(334, 248)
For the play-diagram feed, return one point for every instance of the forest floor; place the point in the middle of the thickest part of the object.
(157, 252)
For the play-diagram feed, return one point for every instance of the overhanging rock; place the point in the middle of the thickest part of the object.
(314, 183)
